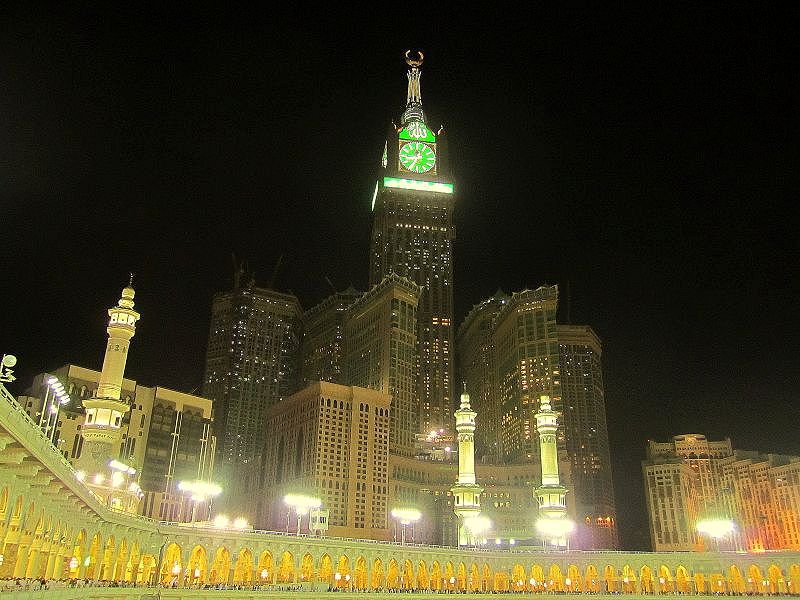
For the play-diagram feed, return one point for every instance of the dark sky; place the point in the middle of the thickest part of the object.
(648, 159)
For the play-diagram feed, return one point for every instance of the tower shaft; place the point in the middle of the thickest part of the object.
(466, 492)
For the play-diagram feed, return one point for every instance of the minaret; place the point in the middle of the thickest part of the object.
(553, 524)
(101, 428)
(466, 492)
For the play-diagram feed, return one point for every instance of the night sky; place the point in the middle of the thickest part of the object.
(646, 161)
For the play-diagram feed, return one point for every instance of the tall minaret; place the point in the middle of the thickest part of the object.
(553, 524)
(101, 428)
(466, 492)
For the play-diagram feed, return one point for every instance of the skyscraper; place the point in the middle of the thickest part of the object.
(582, 395)
(412, 236)
(251, 363)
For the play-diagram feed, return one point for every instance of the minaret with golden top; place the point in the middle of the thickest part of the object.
(101, 428)
(553, 524)
(466, 492)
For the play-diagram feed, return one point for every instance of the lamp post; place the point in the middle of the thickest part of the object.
(406, 516)
(200, 492)
(301, 505)
(716, 529)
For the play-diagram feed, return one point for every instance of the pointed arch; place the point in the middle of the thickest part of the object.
(628, 580)
(775, 580)
(221, 566)
(286, 569)
(610, 578)
(646, 578)
(461, 577)
(556, 579)
(243, 571)
(360, 575)
(699, 583)
(538, 577)
(591, 579)
(392, 576)
(133, 566)
(377, 579)
(486, 578)
(474, 578)
(407, 580)
(755, 580)
(449, 577)
(107, 560)
(574, 581)
(665, 580)
(326, 569)
(94, 557)
(436, 576)
(198, 565)
(266, 567)
(794, 577)
(343, 572)
(171, 564)
(307, 567)
(118, 572)
(518, 578)
(681, 580)
(500, 581)
(423, 578)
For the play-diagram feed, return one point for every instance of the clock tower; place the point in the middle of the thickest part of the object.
(412, 236)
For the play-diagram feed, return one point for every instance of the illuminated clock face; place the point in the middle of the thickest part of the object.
(417, 157)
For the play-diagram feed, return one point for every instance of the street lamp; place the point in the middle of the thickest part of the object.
(555, 530)
(406, 516)
(476, 526)
(716, 529)
(301, 505)
(200, 492)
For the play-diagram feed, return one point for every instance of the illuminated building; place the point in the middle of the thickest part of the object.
(692, 480)
(525, 345)
(163, 435)
(511, 350)
(332, 441)
(380, 341)
(466, 492)
(553, 525)
(412, 236)
(251, 364)
(322, 349)
(476, 368)
(583, 396)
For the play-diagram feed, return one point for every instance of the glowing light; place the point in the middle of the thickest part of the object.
(241, 523)
(200, 490)
(716, 528)
(301, 503)
(98, 479)
(264, 573)
(221, 521)
(477, 524)
(80, 475)
(121, 466)
(375, 194)
(406, 516)
(555, 528)
(420, 186)
(117, 479)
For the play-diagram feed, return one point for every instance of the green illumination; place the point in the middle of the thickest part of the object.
(422, 186)
(417, 157)
(417, 130)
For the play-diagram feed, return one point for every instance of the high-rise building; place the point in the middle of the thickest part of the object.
(525, 345)
(412, 236)
(251, 364)
(476, 369)
(332, 441)
(322, 349)
(380, 341)
(704, 494)
(583, 398)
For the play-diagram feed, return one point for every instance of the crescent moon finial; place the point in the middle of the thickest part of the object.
(414, 62)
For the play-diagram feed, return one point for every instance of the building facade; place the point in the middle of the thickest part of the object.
(166, 435)
(322, 351)
(412, 236)
(692, 480)
(251, 364)
(381, 343)
(583, 398)
(332, 441)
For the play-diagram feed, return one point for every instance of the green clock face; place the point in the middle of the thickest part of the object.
(417, 157)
